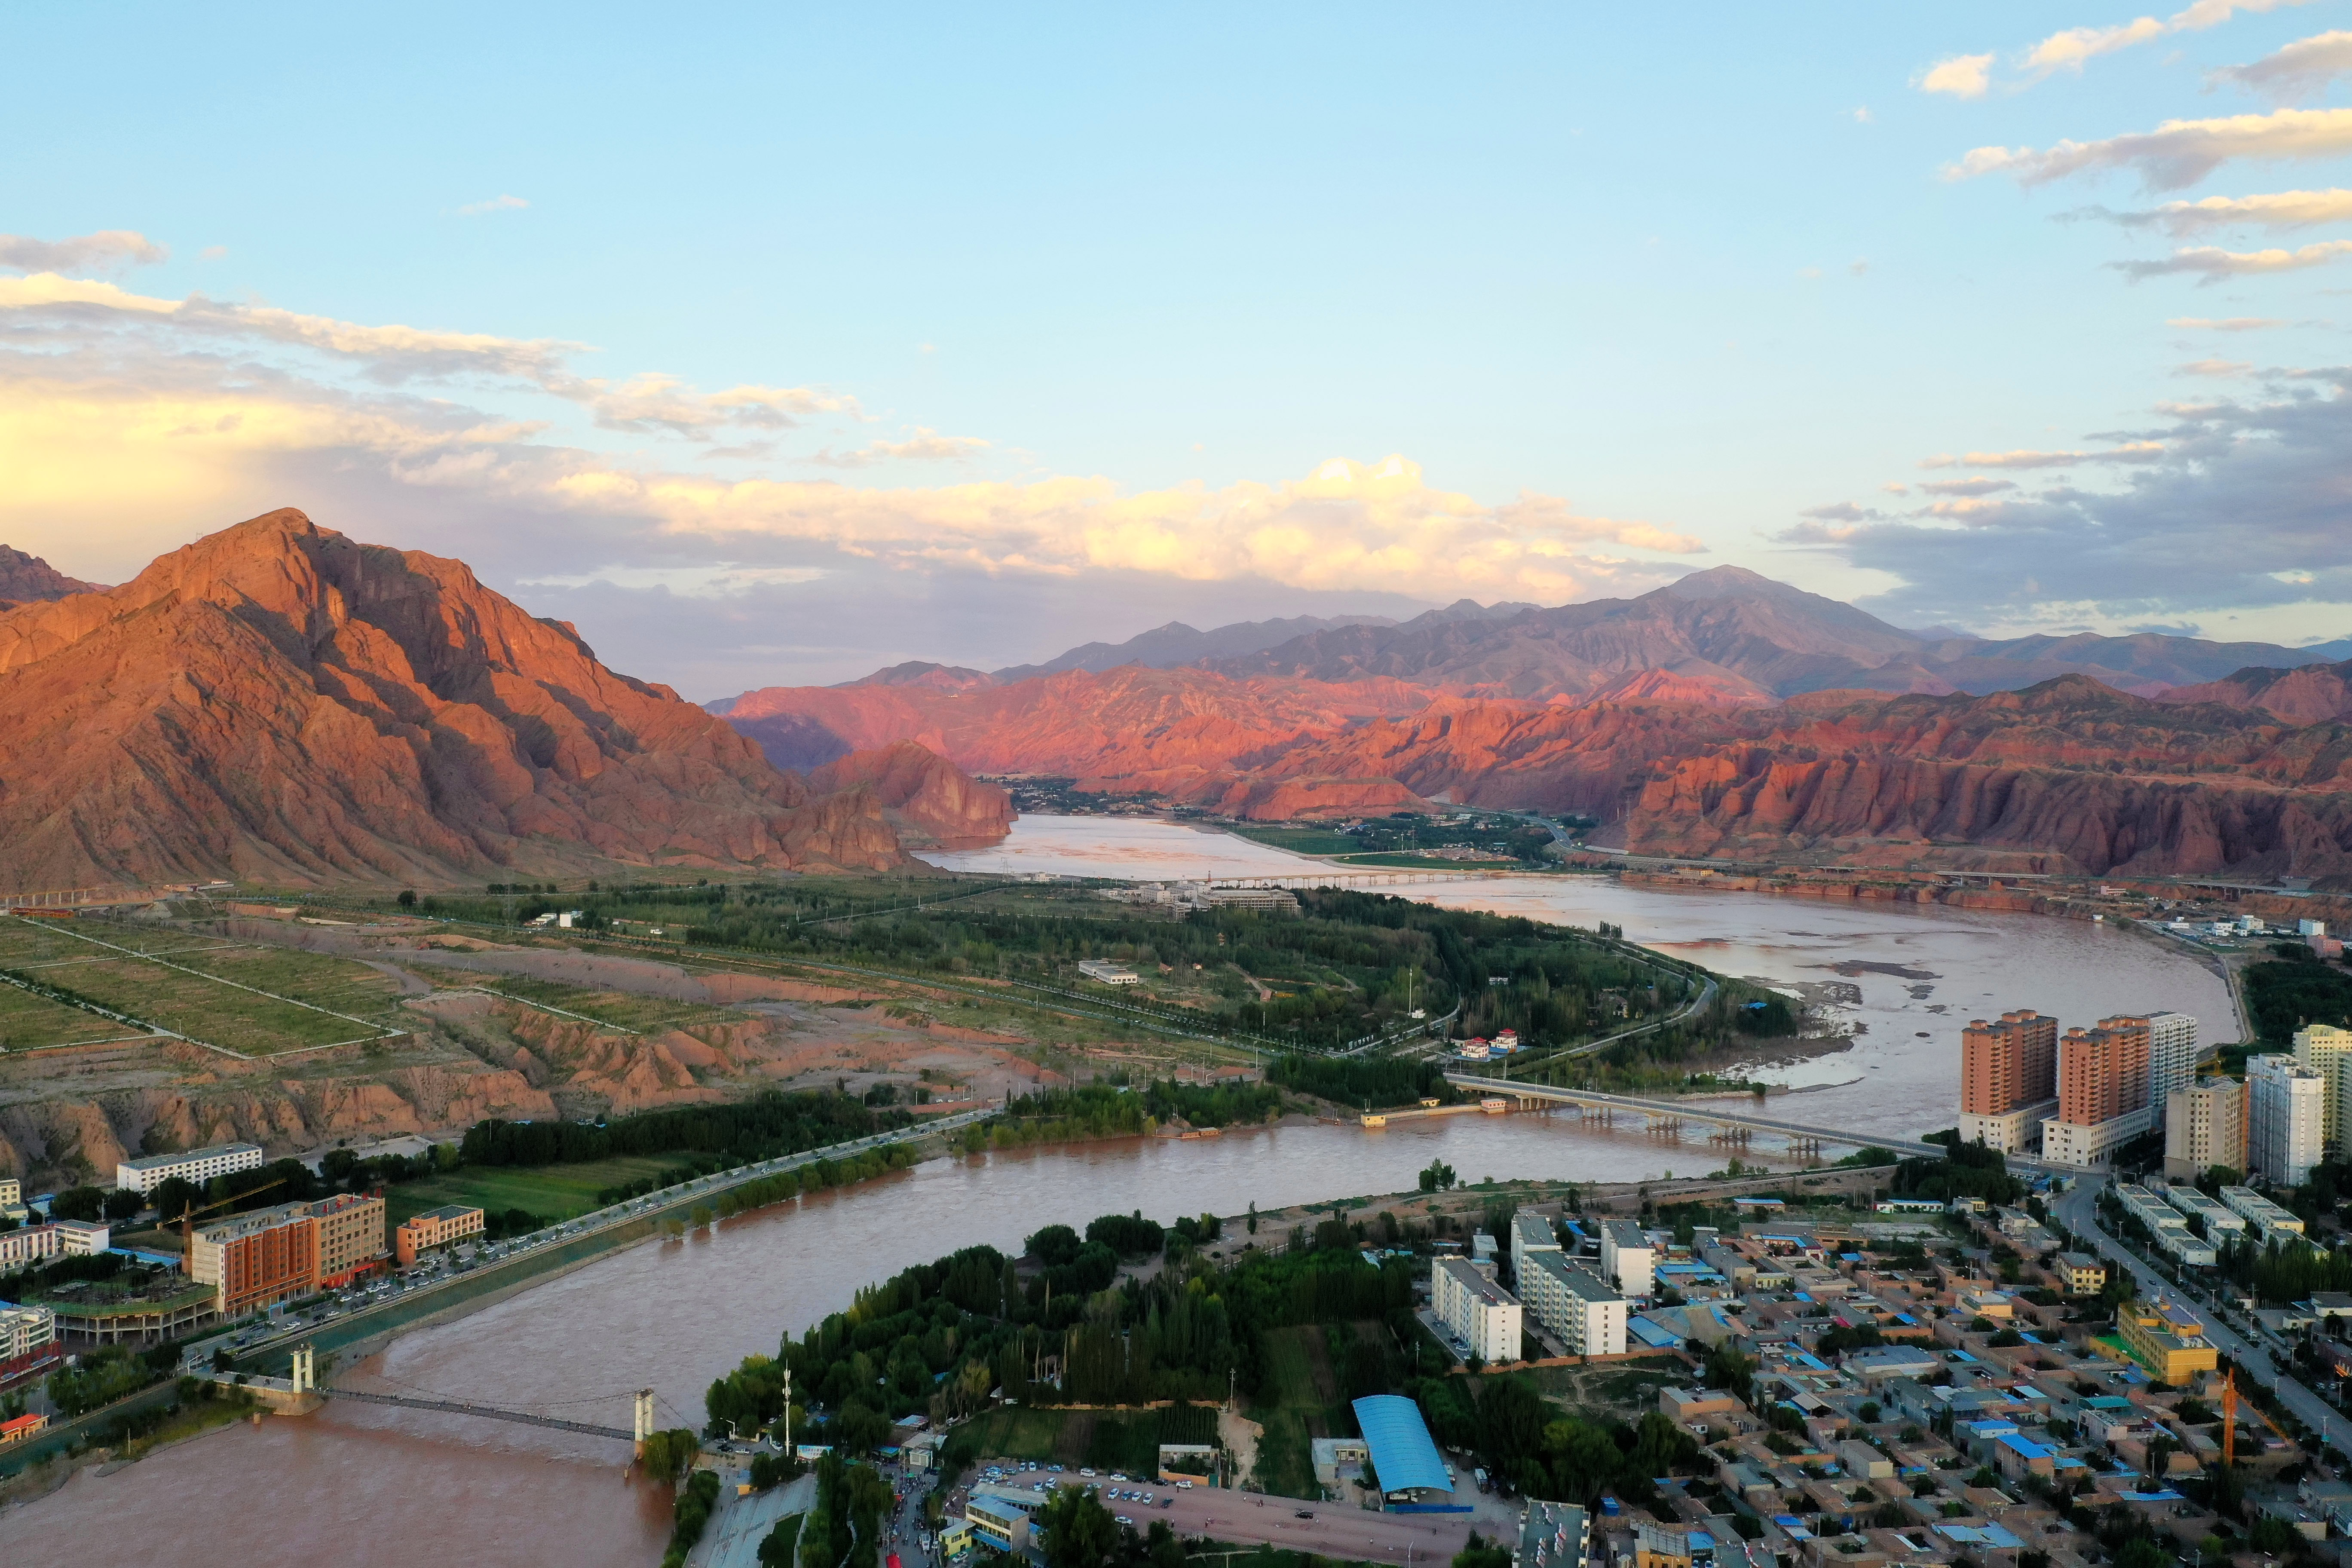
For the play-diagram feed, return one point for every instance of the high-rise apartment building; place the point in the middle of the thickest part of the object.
(2008, 1077)
(2009, 1065)
(2205, 1126)
(2171, 1055)
(2102, 1092)
(2286, 1118)
(2328, 1051)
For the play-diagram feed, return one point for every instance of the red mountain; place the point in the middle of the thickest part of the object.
(279, 703)
(2311, 694)
(28, 580)
(926, 798)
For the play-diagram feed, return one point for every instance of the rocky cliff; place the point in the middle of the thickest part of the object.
(278, 702)
(928, 799)
(2311, 694)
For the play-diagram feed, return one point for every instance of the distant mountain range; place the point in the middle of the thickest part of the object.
(1724, 714)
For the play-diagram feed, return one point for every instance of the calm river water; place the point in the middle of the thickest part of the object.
(373, 1486)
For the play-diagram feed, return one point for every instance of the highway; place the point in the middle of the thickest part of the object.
(2078, 1212)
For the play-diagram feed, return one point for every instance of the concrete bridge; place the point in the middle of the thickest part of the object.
(1736, 1129)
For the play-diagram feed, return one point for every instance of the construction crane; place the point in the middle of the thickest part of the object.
(2230, 1419)
(187, 1222)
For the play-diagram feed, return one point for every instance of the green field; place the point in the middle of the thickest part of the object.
(216, 1003)
(550, 1192)
(27, 1022)
(1404, 862)
(1297, 841)
(1298, 1401)
(1105, 1440)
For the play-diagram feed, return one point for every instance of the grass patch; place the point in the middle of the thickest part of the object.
(550, 1192)
(28, 1021)
(338, 984)
(1298, 840)
(1298, 1401)
(1429, 862)
(204, 1010)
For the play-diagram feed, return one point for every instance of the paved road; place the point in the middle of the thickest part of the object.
(2078, 1212)
(1249, 1519)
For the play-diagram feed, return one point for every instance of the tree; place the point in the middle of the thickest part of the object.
(1079, 1532)
(122, 1203)
(408, 900)
(666, 1454)
(78, 1203)
(1480, 1553)
(1438, 1177)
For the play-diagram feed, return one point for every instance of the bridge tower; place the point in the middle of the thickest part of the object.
(641, 1419)
(305, 1376)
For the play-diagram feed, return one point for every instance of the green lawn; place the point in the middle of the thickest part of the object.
(1102, 1439)
(550, 1192)
(645, 1015)
(1298, 1402)
(26, 1021)
(1298, 840)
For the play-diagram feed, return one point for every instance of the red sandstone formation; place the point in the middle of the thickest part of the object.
(2312, 694)
(277, 702)
(928, 799)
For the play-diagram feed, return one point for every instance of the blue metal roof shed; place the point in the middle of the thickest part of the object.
(1403, 1455)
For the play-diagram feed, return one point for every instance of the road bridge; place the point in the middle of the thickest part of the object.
(1724, 1125)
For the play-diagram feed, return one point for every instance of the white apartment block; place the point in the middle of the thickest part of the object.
(1482, 1314)
(1626, 1257)
(2328, 1051)
(2091, 1144)
(1530, 1234)
(23, 1329)
(2217, 1218)
(198, 1166)
(2015, 1131)
(59, 1238)
(2263, 1217)
(2286, 1118)
(1575, 1304)
(2171, 1058)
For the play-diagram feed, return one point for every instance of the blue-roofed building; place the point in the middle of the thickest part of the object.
(1412, 1476)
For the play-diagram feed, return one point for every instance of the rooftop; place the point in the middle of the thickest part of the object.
(157, 1162)
(1403, 1455)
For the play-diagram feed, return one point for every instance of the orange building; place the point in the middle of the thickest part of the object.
(351, 1237)
(2102, 1071)
(436, 1228)
(255, 1260)
(2009, 1065)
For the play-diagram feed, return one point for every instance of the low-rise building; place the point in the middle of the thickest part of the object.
(2015, 1131)
(32, 1244)
(2166, 1339)
(195, 1166)
(1552, 1535)
(2262, 1217)
(22, 1428)
(1486, 1317)
(2083, 1274)
(444, 1226)
(2218, 1219)
(1587, 1314)
(1691, 1404)
(1880, 1362)
(2090, 1145)
(1659, 1545)
(1103, 972)
(999, 1520)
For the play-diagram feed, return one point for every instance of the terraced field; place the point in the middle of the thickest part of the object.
(255, 1001)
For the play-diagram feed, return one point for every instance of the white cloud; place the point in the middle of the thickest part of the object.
(1961, 75)
(2225, 324)
(2213, 367)
(2204, 13)
(2295, 72)
(2209, 264)
(2071, 49)
(2177, 152)
(1980, 486)
(2277, 209)
(2130, 452)
(495, 204)
(923, 445)
(719, 581)
(102, 251)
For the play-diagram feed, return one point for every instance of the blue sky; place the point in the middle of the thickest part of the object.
(925, 333)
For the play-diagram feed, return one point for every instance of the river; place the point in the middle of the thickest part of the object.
(367, 1486)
